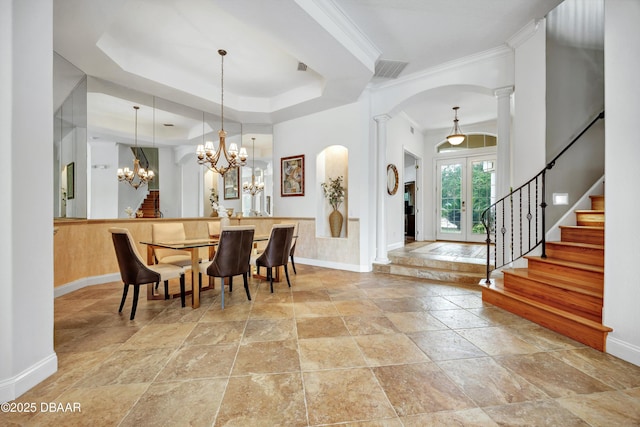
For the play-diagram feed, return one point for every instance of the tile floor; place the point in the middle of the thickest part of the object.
(357, 349)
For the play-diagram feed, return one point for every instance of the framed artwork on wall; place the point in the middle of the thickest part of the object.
(231, 184)
(292, 176)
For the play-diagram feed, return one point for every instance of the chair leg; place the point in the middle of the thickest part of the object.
(270, 277)
(293, 264)
(245, 277)
(182, 291)
(124, 297)
(230, 284)
(286, 273)
(136, 292)
(222, 291)
(166, 289)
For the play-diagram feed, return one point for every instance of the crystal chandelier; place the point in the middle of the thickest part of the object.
(456, 137)
(206, 154)
(253, 188)
(138, 176)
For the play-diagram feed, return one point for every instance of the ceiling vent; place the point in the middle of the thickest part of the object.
(389, 69)
(302, 66)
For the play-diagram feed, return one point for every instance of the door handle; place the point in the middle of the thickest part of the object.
(463, 207)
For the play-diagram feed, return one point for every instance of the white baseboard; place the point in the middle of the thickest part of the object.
(58, 291)
(623, 350)
(336, 265)
(13, 387)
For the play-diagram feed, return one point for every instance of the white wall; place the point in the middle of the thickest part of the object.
(528, 145)
(26, 123)
(622, 153)
(399, 139)
(103, 184)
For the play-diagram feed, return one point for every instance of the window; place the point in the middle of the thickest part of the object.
(470, 142)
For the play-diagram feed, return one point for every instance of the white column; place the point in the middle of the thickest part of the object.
(381, 188)
(503, 182)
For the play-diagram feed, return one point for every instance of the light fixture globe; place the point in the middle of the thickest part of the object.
(456, 137)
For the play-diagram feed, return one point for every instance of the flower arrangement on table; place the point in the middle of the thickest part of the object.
(213, 198)
(334, 191)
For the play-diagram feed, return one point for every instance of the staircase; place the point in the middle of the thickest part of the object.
(150, 204)
(563, 291)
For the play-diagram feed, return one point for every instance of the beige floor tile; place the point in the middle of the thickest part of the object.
(272, 311)
(128, 367)
(344, 395)
(212, 333)
(326, 353)
(415, 322)
(368, 325)
(315, 309)
(499, 317)
(263, 400)
(310, 295)
(199, 361)
(267, 357)
(357, 308)
(420, 388)
(389, 349)
(92, 339)
(101, 406)
(536, 413)
(496, 340)
(459, 319)
(232, 313)
(159, 335)
(318, 327)
(467, 418)
(269, 330)
(489, 384)
(445, 345)
(177, 403)
(552, 375)
(609, 369)
(611, 408)
(465, 301)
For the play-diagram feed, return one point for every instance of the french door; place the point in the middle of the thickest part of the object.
(466, 187)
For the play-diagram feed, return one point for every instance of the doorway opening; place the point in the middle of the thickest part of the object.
(466, 187)
(411, 199)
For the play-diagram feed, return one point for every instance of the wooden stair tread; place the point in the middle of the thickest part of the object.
(582, 227)
(570, 316)
(554, 280)
(590, 211)
(578, 245)
(570, 264)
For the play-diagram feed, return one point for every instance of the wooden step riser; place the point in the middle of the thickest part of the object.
(591, 280)
(591, 256)
(586, 306)
(593, 338)
(590, 236)
(597, 203)
(590, 219)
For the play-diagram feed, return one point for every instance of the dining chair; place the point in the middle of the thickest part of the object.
(232, 257)
(170, 232)
(213, 228)
(134, 272)
(292, 251)
(276, 253)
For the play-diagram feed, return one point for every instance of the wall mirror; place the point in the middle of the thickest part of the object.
(392, 179)
(95, 131)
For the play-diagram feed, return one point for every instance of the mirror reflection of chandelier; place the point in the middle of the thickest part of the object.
(138, 176)
(253, 188)
(205, 153)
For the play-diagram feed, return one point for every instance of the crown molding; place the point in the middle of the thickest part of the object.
(525, 33)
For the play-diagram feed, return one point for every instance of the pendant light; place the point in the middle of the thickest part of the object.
(456, 137)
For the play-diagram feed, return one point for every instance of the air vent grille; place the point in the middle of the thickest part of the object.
(389, 69)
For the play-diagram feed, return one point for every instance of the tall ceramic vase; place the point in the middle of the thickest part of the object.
(335, 223)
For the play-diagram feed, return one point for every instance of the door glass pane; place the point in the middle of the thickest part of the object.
(451, 198)
(483, 191)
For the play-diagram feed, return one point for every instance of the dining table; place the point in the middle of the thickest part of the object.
(193, 246)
